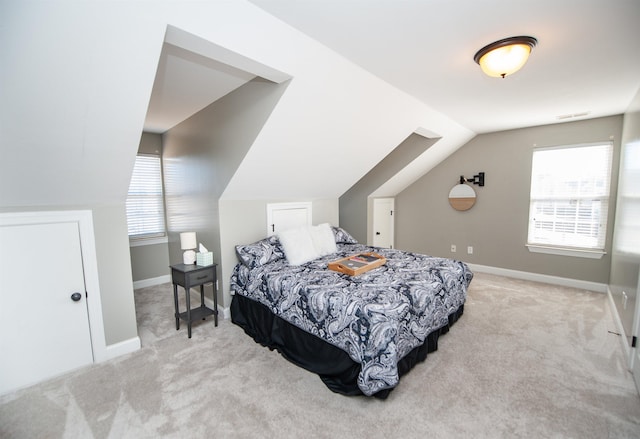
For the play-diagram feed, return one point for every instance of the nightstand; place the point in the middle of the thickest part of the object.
(189, 276)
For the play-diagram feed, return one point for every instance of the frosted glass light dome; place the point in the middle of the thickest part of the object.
(505, 57)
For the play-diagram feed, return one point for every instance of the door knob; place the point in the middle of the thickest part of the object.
(76, 296)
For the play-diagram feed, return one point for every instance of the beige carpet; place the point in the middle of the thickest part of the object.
(526, 360)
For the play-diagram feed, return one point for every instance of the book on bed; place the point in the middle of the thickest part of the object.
(357, 264)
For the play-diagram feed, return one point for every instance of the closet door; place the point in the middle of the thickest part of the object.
(383, 226)
(635, 351)
(44, 320)
(283, 216)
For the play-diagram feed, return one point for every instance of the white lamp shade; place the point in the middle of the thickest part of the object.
(505, 57)
(188, 240)
(505, 61)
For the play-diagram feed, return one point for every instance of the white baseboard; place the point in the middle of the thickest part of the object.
(151, 282)
(554, 280)
(117, 349)
(223, 312)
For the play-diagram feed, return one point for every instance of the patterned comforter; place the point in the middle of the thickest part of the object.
(377, 317)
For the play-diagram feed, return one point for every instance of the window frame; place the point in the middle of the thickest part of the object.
(567, 248)
(150, 237)
(627, 228)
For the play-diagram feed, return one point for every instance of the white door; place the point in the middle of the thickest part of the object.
(383, 222)
(44, 332)
(283, 216)
(635, 331)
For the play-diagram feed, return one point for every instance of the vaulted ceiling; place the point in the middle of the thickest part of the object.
(586, 64)
(78, 78)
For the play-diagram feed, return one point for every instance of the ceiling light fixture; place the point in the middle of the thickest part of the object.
(505, 57)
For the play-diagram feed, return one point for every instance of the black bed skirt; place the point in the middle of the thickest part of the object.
(334, 366)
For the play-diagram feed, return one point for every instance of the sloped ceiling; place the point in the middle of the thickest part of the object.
(586, 64)
(570, 76)
(186, 83)
(77, 78)
(75, 91)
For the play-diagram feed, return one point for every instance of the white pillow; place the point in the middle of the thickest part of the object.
(298, 246)
(323, 239)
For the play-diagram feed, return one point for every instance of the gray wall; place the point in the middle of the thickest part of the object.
(354, 212)
(150, 143)
(114, 269)
(496, 226)
(149, 261)
(201, 154)
(625, 265)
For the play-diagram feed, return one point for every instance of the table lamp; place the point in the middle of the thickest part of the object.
(188, 244)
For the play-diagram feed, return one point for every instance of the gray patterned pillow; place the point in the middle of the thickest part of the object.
(342, 236)
(261, 252)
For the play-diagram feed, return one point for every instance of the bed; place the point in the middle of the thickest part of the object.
(360, 334)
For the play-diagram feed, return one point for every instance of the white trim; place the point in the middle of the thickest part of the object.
(206, 48)
(578, 253)
(121, 348)
(620, 327)
(544, 278)
(139, 242)
(633, 352)
(143, 283)
(84, 219)
(378, 204)
(608, 142)
(223, 312)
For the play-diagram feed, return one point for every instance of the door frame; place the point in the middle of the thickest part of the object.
(84, 220)
(376, 205)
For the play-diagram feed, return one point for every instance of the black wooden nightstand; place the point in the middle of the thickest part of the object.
(189, 276)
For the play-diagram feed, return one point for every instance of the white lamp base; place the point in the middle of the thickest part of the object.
(189, 257)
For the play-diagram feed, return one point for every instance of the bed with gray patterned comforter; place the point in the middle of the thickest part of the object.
(377, 318)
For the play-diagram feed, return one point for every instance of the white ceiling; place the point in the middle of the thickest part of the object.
(186, 83)
(586, 64)
(587, 59)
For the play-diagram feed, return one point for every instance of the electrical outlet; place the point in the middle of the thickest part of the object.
(453, 248)
(469, 250)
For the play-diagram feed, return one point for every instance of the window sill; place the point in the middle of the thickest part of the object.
(148, 241)
(578, 253)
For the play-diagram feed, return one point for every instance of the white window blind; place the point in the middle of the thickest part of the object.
(145, 201)
(570, 196)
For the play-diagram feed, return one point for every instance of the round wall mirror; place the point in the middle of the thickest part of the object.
(462, 197)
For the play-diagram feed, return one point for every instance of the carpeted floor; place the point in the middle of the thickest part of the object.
(526, 360)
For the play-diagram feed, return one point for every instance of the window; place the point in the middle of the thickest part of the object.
(628, 210)
(145, 201)
(570, 199)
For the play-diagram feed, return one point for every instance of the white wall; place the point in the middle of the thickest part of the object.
(82, 72)
(625, 260)
(76, 80)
